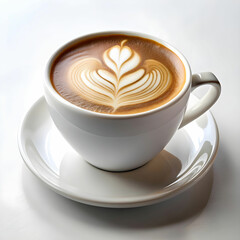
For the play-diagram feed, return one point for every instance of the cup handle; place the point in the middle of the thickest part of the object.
(200, 79)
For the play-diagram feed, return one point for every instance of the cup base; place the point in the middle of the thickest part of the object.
(117, 171)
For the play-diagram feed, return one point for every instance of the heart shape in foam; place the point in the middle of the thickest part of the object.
(124, 83)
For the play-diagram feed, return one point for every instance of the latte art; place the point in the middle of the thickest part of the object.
(125, 82)
(117, 74)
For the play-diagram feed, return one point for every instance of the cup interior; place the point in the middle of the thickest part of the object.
(68, 45)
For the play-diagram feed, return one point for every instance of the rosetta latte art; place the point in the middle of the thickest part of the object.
(124, 83)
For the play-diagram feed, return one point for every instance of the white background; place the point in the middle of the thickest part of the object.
(206, 31)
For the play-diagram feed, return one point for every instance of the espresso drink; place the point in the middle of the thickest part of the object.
(118, 74)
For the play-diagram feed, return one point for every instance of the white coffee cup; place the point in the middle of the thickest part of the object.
(124, 142)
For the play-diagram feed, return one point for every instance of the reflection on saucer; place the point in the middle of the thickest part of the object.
(153, 176)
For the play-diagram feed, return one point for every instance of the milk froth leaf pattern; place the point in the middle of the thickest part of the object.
(124, 82)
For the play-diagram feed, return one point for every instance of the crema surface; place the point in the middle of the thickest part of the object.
(118, 74)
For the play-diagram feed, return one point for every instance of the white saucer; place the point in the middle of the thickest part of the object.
(186, 159)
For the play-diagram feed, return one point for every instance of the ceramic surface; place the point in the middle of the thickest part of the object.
(186, 158)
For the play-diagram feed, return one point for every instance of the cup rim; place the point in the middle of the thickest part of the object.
(75, 108)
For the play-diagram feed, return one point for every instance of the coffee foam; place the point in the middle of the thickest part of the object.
(126, 84)
(118, 75)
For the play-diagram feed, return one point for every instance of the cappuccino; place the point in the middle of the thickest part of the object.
(118, 74)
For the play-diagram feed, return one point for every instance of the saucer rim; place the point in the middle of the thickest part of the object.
(120, 202)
